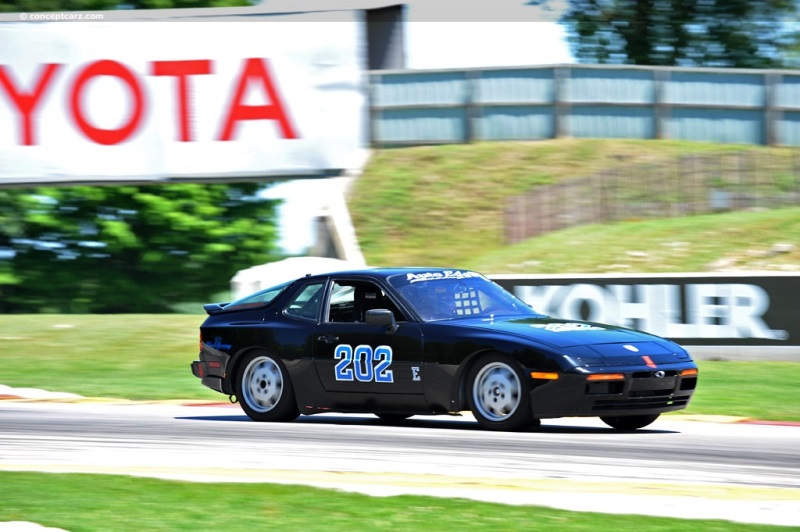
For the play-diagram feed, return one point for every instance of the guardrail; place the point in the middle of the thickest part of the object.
(409, 107)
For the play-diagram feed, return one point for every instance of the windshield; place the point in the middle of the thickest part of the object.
(454, 294)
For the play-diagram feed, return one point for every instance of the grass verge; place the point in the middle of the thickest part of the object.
(742, 241)
(145, 357)
(78, 502)
(444, 206)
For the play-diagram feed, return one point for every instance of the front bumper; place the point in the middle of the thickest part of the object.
(211, 370)
(641, 392)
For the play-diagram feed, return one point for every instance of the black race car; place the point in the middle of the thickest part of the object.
(405, 341)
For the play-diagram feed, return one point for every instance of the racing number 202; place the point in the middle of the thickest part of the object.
(364, 364)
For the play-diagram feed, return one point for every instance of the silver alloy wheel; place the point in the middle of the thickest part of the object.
(497, 391)
(262, 384)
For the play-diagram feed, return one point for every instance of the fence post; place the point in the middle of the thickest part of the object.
(771, 113)
(470, 106)
(373, 110)
(561, 104)
(660, 106)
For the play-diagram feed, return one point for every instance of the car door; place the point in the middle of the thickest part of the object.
(351, 356)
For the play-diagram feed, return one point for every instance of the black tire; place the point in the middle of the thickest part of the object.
(499, 394)
(264, 389)
(629, 422)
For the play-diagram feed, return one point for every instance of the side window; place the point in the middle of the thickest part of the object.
(342, 305)
(307, 302)
(350, 302)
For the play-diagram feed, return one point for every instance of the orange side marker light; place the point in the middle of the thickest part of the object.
(544, 375)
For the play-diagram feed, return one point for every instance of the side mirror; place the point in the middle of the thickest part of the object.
(382, 316)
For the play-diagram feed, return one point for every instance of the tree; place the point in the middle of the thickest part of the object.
(128, 249)
(793, 49)
(714, 33)
(27, 6)
(11, 215)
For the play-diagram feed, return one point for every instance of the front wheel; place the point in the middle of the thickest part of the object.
(499, 395)
(264, 389)
(629, 422)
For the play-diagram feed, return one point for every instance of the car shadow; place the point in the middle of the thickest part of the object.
(443, 423)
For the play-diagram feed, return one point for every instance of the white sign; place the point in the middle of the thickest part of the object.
(194, 99)
(713, 310)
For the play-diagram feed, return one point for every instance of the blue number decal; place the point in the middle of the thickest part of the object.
(383, 355)
(363, 363)
(345, 353)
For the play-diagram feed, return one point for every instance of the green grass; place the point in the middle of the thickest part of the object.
(147, 357)
(123, 356)
(759, 390)
(443, 206)
(112, 503)
(736, 240)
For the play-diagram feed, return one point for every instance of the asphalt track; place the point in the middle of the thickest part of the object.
(678, 467)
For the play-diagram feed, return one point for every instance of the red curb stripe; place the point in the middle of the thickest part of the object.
(210, 403)
(776, 423)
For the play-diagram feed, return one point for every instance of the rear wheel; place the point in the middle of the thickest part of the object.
(264, 389)
(499, 395)
(629, 422)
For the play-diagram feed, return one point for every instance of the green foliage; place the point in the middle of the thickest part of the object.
(25, 6)
(128, 248)
(721, 33)
(10, 217)
(166, 4)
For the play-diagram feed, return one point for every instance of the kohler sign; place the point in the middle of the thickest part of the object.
(700, 309)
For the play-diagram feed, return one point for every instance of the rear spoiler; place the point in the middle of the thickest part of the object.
(214, 308)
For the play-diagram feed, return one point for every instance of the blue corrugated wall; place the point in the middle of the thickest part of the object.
(585, 101)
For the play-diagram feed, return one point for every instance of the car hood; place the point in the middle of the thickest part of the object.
(591, 344)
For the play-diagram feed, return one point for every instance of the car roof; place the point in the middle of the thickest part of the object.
(380, 272)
